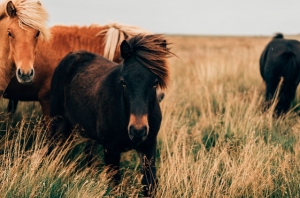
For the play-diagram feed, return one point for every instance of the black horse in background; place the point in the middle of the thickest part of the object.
(116, 105)
(281, 59)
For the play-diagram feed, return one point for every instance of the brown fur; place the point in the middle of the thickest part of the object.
(22, 50)
(30, 14)
(138, 121)
(2, 16)
(18, 51)
(64, 40)
(116, 105)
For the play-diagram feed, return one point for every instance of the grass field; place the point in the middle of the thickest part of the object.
(215, 139)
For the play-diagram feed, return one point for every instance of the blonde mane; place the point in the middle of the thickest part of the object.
(114, 36)
(30, 13)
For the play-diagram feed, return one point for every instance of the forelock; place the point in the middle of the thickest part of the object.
(152, 51)
(32, 13)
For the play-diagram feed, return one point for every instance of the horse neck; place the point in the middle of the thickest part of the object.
(66, 39)
(109, 91)
(78, 38)
(6, 63)
(108, 84)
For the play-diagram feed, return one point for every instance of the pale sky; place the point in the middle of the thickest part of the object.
(196, 17)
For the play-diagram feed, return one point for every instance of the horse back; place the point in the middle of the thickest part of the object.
(74, 88)
(276, 57)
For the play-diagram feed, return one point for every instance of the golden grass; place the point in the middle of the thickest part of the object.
(215, 140)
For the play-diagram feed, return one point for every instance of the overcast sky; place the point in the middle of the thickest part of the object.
(196, 17)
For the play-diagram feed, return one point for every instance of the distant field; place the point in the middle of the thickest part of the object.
(215, 140)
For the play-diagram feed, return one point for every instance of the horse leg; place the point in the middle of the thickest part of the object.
(12, 106)
(60, 127)
(60, 130)
(50, 126)
(287, 94)
(45, 108)
(148, 169)
(44, 99)
(112, 159)
(270, 93)
(91, 152)
(57, 126)
(46, 116)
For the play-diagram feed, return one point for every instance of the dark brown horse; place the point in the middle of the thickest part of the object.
(104, 40)
(281, 58)
(116, 105)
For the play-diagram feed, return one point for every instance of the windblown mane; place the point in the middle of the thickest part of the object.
(114, 36)
(152, 51)
(30, 13)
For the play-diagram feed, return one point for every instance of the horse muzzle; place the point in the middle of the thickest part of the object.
(25, 78)
(138, 128)
(138, 135)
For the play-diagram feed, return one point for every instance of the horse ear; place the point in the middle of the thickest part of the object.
(11, 9)
(164, 44)
(125, 50)
(38, 2)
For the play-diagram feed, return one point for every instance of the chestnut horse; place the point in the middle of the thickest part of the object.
(22, 25)
(98, 39)
(116, 105)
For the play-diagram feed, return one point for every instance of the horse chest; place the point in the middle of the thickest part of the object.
(18, 91)
(117, 140)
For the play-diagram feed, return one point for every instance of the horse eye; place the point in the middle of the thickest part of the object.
(155, 85)
(37, 34)
(123, 84)
(9, 34)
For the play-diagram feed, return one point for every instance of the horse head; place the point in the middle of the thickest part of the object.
(144, 70)
(26, 25)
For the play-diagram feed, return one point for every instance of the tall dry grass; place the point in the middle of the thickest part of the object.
(215, 139)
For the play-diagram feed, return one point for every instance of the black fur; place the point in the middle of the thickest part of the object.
(278, 36)
(281, 58)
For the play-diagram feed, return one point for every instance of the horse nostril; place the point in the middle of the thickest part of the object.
(137, 134)
(144, 130)
(131, 128)
(31, 73)
(19, 73)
